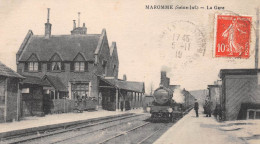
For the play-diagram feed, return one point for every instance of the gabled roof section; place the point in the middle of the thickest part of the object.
(55, 82)
(8, 72)
(56, 57)
(79, 57)
(113, 48)
(33, 57)
(101, 41)
(34, 81)
(25, 41)
(68, 46)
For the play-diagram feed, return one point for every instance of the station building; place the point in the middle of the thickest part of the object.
(240, 93)
(70, 64)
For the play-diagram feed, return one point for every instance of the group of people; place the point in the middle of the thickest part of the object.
(207, 108)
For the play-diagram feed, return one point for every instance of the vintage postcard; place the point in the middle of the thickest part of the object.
(129, 71)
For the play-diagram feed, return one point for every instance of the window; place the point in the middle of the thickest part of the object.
(114, 68)
(104, 64)
(56, 66)
(80, 90)
(79, 66)
(33, 66)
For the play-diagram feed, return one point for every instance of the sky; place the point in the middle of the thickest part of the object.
(146, 38)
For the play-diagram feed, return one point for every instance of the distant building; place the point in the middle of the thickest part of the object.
(121, 94)
(9, 94)
(70, 63)
(240, 93)
(214, 94)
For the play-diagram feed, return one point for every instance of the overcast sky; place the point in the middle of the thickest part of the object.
(144, 37)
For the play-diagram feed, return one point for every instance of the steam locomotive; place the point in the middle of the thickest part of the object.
(164, 107)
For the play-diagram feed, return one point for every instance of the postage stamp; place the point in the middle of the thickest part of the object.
(232, 37)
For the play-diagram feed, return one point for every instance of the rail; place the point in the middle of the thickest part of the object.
(38, 136)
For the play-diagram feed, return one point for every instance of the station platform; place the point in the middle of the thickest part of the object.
(33, 123)
(206, 130)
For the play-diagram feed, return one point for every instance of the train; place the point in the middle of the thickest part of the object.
(165, 108)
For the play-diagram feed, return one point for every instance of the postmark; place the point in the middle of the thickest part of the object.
(182, 42)
(232, 36)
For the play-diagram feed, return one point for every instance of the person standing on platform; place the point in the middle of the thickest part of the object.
(209, 109)
(196, 108)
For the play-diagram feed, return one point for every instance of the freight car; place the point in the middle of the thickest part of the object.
(163, 106)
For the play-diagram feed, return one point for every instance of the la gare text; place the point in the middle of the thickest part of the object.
(180, 7)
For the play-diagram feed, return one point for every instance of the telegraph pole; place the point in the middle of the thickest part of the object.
(257, 38)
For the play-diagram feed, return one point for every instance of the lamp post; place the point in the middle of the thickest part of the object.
(64, 99)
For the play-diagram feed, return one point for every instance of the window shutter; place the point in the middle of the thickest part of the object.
(62, 66)
(39, 66)
(48, 66)
(86, 66)
(26, 67)
(72, 66)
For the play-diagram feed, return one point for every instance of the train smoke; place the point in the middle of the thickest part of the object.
(178, 96)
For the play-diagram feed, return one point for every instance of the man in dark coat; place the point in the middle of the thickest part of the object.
(209, 109)
(196, 107)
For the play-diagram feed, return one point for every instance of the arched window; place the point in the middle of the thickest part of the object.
(32, 64)
(79, 64)
(55, 64)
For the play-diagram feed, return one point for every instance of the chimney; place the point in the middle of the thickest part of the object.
(74, 24)
(78, 30)
(79, 19)
(124, 77)
(48, 26)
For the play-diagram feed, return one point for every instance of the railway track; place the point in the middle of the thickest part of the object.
(126, 129)
(124, 133)
(138, 134)
(24, 138)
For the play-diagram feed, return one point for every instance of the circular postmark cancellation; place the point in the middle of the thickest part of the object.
(182, 42)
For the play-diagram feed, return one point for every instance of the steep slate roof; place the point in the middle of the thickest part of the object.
(56, 82)
(34, 80)
(67, 46)
(113, 46)
(8, 72)
(126, 85)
